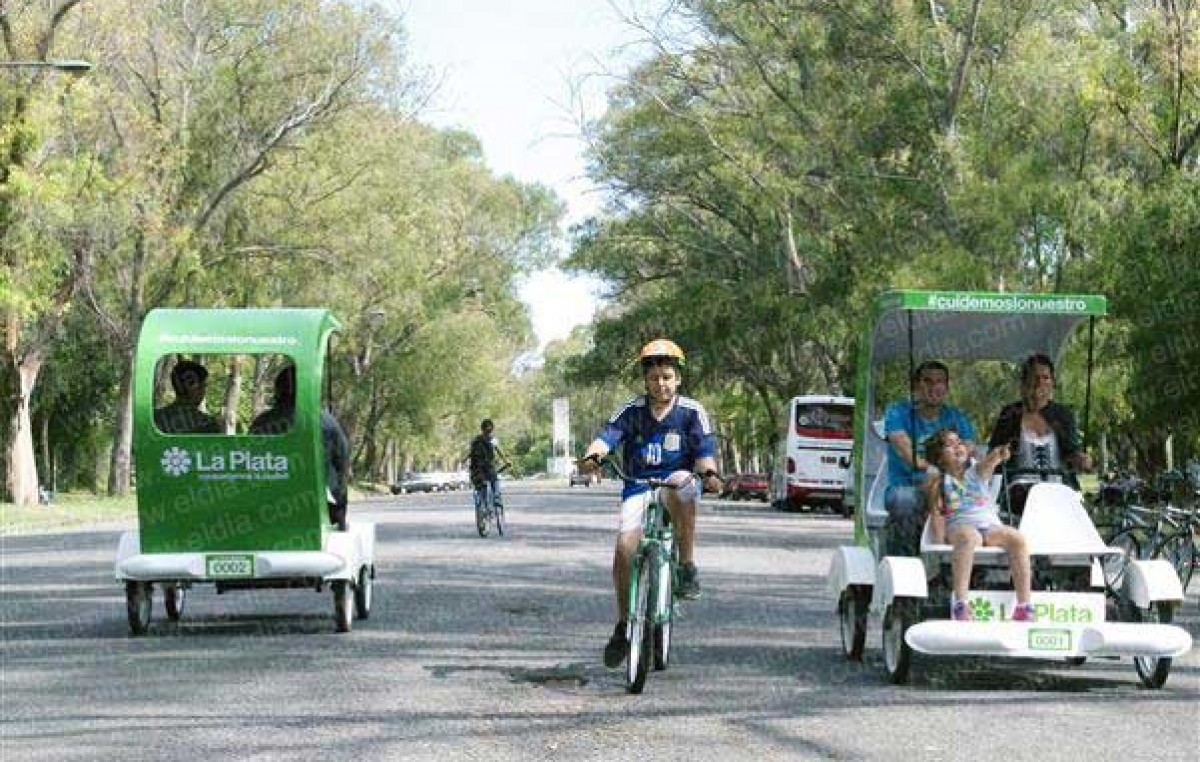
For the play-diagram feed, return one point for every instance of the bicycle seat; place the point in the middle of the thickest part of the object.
(1056, 523)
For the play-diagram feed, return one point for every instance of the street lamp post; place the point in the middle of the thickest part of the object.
(70, 66)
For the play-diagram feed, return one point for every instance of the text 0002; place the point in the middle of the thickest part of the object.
(229, 566)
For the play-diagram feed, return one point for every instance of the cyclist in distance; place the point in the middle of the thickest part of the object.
(484, 453)
(663, 435)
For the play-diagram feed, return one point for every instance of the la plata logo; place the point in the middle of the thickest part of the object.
(177, 462)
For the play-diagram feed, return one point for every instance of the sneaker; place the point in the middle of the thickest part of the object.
(960, 611)
(1024, 613)
(618, 645)
(689, 583)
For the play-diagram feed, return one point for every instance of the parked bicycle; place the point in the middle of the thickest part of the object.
(653, 580)
(1156, 521)
(489, 509)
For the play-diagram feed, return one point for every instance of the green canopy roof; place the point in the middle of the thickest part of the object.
(966, 325)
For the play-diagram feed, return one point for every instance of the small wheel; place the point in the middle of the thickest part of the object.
(853, 607)
(1152, 670)
(138, 604)
(343, 605)
(897, 656)
(174, 598)
(363, 591)
(638, 662)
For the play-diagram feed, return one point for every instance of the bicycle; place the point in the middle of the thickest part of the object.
(1163, 530)
(1178, 541)
(488, 508)
(653, 581)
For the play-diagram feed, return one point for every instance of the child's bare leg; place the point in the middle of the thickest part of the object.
(1013, 543)
(964, 540)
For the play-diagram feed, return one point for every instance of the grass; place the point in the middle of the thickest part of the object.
(68, 511)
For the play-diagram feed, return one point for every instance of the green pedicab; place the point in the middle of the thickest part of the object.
(239, 510)
(910, 594)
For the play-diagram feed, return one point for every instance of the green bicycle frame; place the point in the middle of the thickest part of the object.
(656, 534)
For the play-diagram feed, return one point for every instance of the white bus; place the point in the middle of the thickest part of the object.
(813, 459)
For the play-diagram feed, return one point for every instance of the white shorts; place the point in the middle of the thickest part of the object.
(633, 509)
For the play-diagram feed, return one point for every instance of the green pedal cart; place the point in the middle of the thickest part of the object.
(237, 464)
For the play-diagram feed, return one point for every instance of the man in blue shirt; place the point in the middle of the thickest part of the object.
(661, 435)
(916, 418)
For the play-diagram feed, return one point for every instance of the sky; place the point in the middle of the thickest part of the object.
(516, 73)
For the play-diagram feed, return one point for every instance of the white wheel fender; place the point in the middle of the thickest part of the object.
(900, 577)
(850, 565)
(366, 541)
(1150, 581)
(129, 546)
(346, 546)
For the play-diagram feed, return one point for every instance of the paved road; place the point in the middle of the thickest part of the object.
(489, 650)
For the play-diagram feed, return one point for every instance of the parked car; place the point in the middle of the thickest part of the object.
(419, 482)
(586, 480)
(452, 479)
(747, 487)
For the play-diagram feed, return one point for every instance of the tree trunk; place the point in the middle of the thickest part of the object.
(119, 468)
(390, 475)
(47, 470)
(22, 476)
(233, 392)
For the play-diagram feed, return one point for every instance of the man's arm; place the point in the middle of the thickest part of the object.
(901, 443)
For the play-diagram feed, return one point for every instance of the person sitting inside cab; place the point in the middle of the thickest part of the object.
(963, 512)
(183, 416)
(278, 420)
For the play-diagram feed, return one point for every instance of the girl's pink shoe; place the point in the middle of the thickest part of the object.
(1024, 613)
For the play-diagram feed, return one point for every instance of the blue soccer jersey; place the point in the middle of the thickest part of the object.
(656, 449)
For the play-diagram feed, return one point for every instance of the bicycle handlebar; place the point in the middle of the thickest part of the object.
(652, 482)
(1042, 472)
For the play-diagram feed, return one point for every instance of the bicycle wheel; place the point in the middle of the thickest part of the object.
(1114, 566)
(483, 498)
(498, 513)
(665, 587)
(1180, 550)
(638, 662)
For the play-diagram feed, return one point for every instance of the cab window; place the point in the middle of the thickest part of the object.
(224, 394)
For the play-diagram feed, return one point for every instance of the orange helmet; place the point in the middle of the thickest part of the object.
(659, 350)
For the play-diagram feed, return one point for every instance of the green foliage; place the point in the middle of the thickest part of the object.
(772, 168)
(778, 163)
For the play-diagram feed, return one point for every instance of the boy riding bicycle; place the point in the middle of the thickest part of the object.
(666, 436)
(483, 454)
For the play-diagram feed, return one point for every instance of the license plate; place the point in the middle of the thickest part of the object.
(1049, 640)
(225, 566)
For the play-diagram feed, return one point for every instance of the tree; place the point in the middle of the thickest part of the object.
(38, 282)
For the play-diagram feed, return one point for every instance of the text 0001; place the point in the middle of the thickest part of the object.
(1049, 640)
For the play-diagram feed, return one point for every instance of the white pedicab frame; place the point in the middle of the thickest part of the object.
(911, 594)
